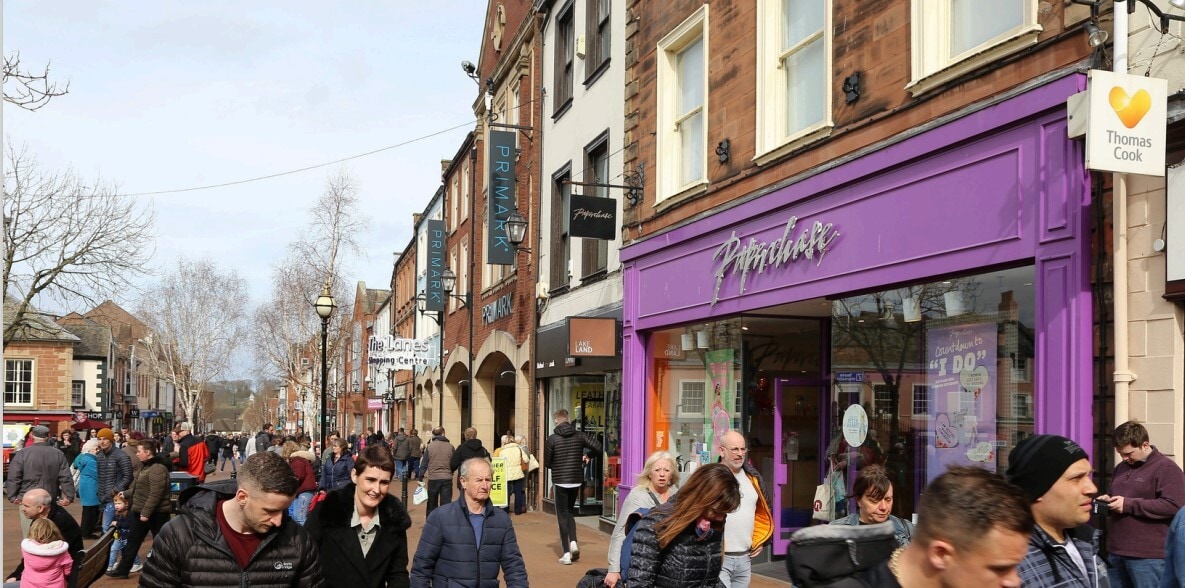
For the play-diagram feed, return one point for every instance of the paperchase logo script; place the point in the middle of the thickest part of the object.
(736, 257)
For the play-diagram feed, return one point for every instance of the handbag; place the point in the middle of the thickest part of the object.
(523, 461)
(210, 467)
(827, 495)
(534, 463)
(420, 496)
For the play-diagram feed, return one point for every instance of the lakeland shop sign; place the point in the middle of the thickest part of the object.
(1127, 127)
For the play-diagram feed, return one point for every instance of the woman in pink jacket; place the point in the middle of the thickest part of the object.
(47, 557)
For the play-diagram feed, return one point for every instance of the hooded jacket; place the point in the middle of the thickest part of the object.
(468, 449)
(385, 564)
(46, 564)
(301, 463)
(191, 551)
(71, 534)
(335, 473)
(563, 453)
(402, 450)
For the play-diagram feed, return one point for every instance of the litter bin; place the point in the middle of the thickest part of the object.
(178, 482)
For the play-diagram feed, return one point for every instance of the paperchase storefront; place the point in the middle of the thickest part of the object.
(892, 310)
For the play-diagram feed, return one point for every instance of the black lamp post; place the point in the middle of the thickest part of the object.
(448, 281)
(324, 306)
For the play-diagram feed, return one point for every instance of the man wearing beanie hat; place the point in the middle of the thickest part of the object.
(1147, 490)
(1054, 473)
(115, 473)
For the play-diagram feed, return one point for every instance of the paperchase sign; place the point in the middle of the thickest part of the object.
(1127, 126)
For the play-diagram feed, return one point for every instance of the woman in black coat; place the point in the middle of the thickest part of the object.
(346, 564)
(681, 543)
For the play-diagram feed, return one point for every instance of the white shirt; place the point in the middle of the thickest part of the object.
(738, 527)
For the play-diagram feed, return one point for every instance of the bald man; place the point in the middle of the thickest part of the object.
(748, 528)
(38, 504)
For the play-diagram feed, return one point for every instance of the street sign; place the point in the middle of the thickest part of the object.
(134, 413)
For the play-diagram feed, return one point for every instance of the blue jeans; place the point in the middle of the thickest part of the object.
(116, 550)
(299, 509)
(1134, 572)
(737, 571)
(400, 465)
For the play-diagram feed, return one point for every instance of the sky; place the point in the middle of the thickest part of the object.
(169, 95)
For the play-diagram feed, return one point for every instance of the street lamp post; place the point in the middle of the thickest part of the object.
(324, 307)
(448, 281)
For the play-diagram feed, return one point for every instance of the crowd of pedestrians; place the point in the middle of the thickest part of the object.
(292, 515)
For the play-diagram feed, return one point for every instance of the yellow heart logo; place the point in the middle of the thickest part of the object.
(1130, 109)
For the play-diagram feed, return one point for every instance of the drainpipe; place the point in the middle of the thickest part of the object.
(1123, 375)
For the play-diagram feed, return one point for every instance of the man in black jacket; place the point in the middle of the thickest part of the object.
(38, 504)
(563, 454)
(230, 535)
(470, 448)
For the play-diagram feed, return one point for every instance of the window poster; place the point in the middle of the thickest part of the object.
(719, 416)
(961, 372)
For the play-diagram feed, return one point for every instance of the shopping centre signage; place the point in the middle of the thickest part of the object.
(398, 353)
(737, 258)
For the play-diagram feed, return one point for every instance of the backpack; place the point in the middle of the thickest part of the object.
(835, 555)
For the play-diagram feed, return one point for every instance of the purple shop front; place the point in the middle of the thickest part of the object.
(837, 295)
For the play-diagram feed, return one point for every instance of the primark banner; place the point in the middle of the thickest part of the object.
(499, 250)
(433, 288)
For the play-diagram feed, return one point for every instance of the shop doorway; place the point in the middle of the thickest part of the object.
(799, 456)
(504, 404)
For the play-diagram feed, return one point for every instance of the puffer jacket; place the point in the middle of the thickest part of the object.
(191, 550)
(301, 463)
(448, 555)
(385, 564)
(336, 472)
(515, 456)
(150, 491)
(563, 453)
(115, 473)
(688, 562)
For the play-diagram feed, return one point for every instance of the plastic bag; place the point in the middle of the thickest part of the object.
(420, 496)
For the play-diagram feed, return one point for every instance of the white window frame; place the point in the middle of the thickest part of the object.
(772, 142)
(877, 401)
(32, 382)
(1022, 399)
(913, 401)
(682, 412)
(463, 201)
(668, 144)
(933, 65)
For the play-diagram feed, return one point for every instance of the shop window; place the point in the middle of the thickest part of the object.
(947, 348)
(561, 250)
(683, 107)
(954, 37)
(794, 69)
(584, 399)
(18, 381)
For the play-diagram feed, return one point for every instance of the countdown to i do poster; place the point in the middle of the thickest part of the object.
(962, 378)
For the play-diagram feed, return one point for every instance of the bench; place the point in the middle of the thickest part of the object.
(93, 563)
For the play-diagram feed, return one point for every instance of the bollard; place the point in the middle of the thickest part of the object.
(405, 477)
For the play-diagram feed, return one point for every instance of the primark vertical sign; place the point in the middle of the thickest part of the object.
(433, 288)
(501, 197)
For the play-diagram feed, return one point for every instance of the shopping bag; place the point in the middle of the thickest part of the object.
(420, 496)
(824, 505)
(534, 463)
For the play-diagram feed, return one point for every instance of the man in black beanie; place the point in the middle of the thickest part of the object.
(1054, 473)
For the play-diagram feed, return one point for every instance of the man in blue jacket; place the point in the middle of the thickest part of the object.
(465, 542)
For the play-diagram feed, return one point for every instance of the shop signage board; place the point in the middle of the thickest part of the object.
(503, 152)
(591, 217)
(374, 403)
(592, 337)
(433, 288)
(1127, 123)
(498, 489)
(500, 308)
(738, 258)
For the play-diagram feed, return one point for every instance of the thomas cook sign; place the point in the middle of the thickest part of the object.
(1127, 118)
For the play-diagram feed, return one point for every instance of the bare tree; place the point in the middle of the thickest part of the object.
(67, 240)
(287, 328)
(28, 89)
(196, 316)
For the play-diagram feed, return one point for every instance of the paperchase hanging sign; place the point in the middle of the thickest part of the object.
(735, 257)
(1127, 123)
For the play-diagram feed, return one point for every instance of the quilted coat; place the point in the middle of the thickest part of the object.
(448, 555)
(191, 551)
(688, 562)
(385, 564)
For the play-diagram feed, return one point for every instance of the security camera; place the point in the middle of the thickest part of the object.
(468, 67)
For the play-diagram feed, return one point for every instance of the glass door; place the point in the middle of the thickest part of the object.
(798, 419)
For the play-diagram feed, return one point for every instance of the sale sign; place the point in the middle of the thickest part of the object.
(961, 373)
